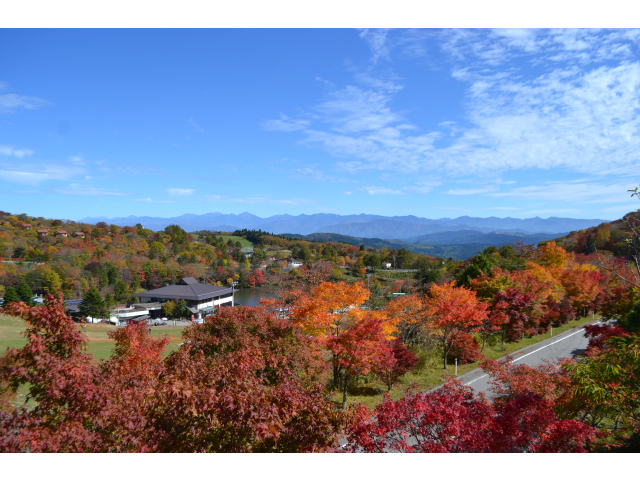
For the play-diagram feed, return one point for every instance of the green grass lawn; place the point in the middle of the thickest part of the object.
(243, 241)
(370, 393)
(99, 344)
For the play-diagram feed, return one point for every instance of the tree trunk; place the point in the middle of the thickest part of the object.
(446, 351)
(344, 391)
(484, 340)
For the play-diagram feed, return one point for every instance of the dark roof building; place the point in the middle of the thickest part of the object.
(188, 289)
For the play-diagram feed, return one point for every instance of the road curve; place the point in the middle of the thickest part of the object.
(566, 345)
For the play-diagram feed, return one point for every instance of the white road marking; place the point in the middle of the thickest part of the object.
(541, 348)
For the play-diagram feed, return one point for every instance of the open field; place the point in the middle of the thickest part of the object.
(370, 393)
(243, 241)
(99, 344)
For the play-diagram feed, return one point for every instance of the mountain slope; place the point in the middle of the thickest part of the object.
(476, 241)
(360, 225)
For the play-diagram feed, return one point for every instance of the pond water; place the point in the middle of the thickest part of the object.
(249, 297)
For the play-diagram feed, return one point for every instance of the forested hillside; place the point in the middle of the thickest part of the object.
(612, 238)
(296, 361)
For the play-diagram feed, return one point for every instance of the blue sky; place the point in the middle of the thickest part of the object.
(435, 123)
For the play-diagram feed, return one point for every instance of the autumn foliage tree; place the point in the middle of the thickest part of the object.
(244, 381)
(453, 312)
(453, 419)
(321, 311)
(359, 350)
(397, 361)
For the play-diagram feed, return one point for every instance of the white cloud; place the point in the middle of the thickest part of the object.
(632, 207)
(18, 153)
(382, 191)
(10, 102)
(571, 191)
(285, 124)
(38, 173)
(180, 192)
(377, 40)
(77, 159)
(581, 116)
(78, 189)
(471, 191)
(150, 200)
(424, 186)
(554, 210)
(212, 198)
(503, 208)
(316, 174)
(325, 81)
(197, 127)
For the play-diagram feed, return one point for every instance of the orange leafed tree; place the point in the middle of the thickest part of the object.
(409, 314)
(325, 308)
(454, 311)
(582, 286)
(551, 255)
(550, 277)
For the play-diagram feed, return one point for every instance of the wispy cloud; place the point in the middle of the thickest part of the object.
(192, 123)
(212, 198)
(382, 191)
(150, 200)
(77, 159)
(285, 124)
(15, 152)
(578, 114)
(580, 191)
(254, 200)
(37, 173)
(10, 102)
(313, 173)
(423, 186)
(377, 40)
(79, 189)
(180, 192)
(471, 191)
(628, 207)
(554, 210)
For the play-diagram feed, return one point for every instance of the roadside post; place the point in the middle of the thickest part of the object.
(551, 330)
(456, 367)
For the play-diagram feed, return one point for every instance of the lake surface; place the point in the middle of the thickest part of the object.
(249, 297)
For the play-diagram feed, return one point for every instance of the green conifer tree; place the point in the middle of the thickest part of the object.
(10, 296)
(93, 305)
(25, 294)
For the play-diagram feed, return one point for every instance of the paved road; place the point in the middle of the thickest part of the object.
(566, 345)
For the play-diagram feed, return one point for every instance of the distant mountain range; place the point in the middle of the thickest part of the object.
(409, 228)
(458, 245)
